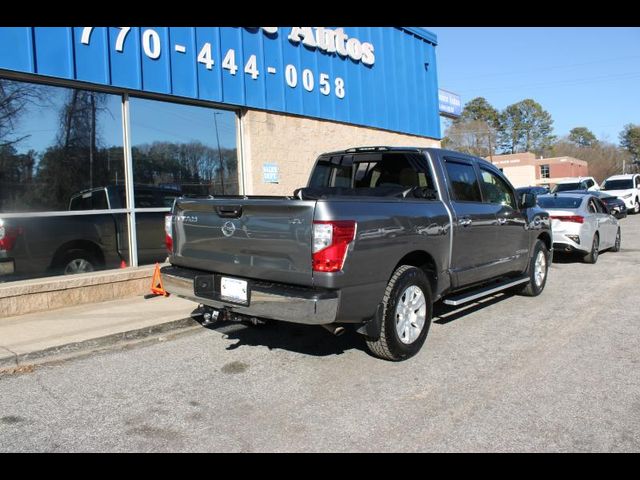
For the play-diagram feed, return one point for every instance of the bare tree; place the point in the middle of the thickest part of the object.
(14, 100)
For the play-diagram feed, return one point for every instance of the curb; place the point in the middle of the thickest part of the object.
(23, 362)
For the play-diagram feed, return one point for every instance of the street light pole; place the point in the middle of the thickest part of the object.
(215, 119)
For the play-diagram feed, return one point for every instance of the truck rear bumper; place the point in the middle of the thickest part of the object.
(268, 300)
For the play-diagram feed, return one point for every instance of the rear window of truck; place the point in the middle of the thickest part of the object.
(371, 170)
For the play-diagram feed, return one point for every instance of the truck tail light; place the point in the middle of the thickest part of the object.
(168, 235)
(569, 218)
(8, 236)
(330, 242)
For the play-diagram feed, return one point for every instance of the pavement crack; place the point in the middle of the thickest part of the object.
(15, 355)
(48, 391)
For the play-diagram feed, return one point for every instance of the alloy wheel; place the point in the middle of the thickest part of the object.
(411, 314)
(78, 265)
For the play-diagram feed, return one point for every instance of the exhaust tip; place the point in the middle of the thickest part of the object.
(334, 329)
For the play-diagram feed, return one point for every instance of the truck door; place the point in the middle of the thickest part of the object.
(474, 254)
(512, 239)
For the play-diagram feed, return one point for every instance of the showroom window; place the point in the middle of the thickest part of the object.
(63, 165)
(61, 156)
(177, 149)
(54, 143)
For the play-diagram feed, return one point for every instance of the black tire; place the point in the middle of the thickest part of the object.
(636, 207)
(389, 346)
(592, 256)
(77, 261)
(616, 246)
(534, 287)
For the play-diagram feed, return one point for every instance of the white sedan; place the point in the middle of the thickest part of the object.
(581, 223)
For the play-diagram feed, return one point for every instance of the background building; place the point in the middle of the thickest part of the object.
(101, 127)
(524, 169)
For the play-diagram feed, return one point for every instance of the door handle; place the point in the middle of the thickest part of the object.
(465, 222)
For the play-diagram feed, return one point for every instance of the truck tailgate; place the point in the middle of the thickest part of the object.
(269, 239)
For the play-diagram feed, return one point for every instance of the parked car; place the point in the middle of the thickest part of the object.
(377, 236)
(33, 246)
(626, 187)
(582, 224)
(535, 190)
(576, 183)
(615, 205)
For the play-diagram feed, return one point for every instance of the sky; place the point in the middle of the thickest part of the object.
(582, 76)
(150, 121)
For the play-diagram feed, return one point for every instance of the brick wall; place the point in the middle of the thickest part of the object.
(293, 144)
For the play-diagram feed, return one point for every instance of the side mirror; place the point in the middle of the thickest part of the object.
(527, 200)
(425, 192)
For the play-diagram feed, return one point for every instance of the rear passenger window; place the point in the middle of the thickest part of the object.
(463, 182)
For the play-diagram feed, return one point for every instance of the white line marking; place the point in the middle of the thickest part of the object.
(271, 70)
(181, 49)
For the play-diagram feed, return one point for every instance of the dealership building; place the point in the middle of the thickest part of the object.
(102, 127)
(524, 169)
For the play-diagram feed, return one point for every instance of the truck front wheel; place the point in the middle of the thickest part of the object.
(406, 318)
(538, 270)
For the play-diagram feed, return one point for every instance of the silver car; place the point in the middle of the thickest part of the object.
(582, 224)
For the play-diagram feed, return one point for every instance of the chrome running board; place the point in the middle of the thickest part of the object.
(484, 291)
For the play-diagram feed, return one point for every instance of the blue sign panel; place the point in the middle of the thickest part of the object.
(449, 103)
(382, 77)
(270, 173)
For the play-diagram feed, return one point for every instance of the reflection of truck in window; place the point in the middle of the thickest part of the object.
(34, 245)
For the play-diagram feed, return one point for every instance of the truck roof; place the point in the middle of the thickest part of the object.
(385, 148)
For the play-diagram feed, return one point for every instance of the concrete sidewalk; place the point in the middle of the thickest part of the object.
(57, 334)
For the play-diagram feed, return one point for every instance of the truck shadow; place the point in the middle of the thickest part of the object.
(443, 314)
(304, 339)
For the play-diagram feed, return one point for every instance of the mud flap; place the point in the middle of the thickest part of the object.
(371, 328)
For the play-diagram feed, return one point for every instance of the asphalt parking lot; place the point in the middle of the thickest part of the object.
(559, 372)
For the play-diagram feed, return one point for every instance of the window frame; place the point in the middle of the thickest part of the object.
(461, 161)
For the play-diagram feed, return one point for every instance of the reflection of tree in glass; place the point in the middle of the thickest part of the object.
(15, 97)
(77, 161)
(16, 170)
(192, 167)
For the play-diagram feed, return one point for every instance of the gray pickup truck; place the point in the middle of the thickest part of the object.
(378, 235)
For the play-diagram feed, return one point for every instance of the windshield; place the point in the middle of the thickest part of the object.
(617, 184)
(563, 187)
(559, 202)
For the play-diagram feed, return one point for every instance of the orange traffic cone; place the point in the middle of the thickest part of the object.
(156, 283)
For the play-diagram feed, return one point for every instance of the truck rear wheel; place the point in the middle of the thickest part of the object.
(78, 261)
(538, 270)
(406, 318)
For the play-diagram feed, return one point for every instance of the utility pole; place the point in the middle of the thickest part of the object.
(215, 119)
(490, 146)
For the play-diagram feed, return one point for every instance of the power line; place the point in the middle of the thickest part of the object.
(559, 83)
(544, 69)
